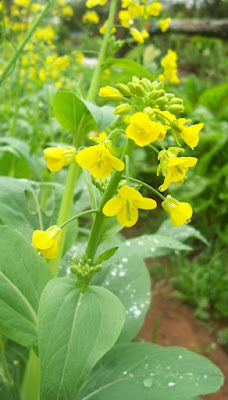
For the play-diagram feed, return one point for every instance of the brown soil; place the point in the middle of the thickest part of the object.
(177, 326)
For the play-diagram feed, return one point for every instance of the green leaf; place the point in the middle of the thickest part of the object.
(128, 278)
(146, 371)
(130, 65)
(215, 98)
(23, 276)
(106, 255)
(104, 116)
(72, 113)
(76, 330)
(180, 233)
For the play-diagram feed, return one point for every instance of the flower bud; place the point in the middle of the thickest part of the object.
(176, 108)
(140, 91)
(110, 94)
(135, 80)
(162, 101)
(155, 94)
(122, 109)
(176, 100)
(146, 83)
(124, 90)
(132, 87)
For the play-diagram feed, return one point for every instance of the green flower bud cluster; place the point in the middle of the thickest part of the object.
(151, 94)
(85, 270)
(100, 184)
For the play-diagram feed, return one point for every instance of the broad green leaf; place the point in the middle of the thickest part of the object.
(180, 233)
(76, 330)
(104, 116)
(146, 371)
(215, 97)
(20, 149)
(23, 276)
(72, 113)
(129, 280)
(149, 246)
(136, 68)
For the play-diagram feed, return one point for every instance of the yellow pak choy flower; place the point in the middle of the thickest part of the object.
(173, 168)
(109, 93)
(62, 62)
(94, 3)
(99, 161)
(164, 24)
(103, 29)
(126, 206)
(59, 157)
(190, 134)
(144, 131)
(179, 212)
(90, 16)
(47, 242)
(139, 36)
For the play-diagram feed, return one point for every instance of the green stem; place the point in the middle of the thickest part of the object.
(82, 214)
(147, 186)
(153, 148)
(99, 221)
(103, 52)
(64, 212)
(6, 374)
(24, 42)
(31, 382)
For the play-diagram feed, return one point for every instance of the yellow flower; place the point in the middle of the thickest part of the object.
(169, 63)
(62, 62)
(190, 134)
(104, 28)
(1, 6)
(125, 3)
(142, 130)
(67, 12)
(90, 16)
(110, 93)
(45, 33)
(99, 161)
(153, 9)
(22, 3)
(135, 10)
(47, 242)
(174, 168)
(79, 58)
(59, 157)
(126, 205)
(106, 74)
(164, 24)
(180, 213)
(42, 75)
(139, 36)
(124, 17)
(93, 3)
(35, 7)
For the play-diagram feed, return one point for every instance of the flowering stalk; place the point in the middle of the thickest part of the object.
(99, 221)
(25, 41)
(73, 172)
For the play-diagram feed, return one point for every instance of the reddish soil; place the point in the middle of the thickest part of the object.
(177, 326)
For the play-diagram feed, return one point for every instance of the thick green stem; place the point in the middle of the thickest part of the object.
(100, 218)
(25, 41)
(103, 53)
(64, 212)
(31, 383)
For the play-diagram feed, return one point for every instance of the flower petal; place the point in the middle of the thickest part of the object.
(127, 217)
(117, 164)
(180, 214)
(52, 251)
(42, 240)
(112, 207)
(146, 204)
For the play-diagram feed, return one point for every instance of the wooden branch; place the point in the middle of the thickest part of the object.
(208, 27)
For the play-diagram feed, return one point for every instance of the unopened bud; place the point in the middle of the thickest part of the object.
(162, 101)
(122, 109)
(155, 94)
(140, 91)
(155, 84)
(110, 94)
(160, 85)
(176, 100)
(124, 90)
(135, 80)
(146, 83)
(132, 87)
(176, 108)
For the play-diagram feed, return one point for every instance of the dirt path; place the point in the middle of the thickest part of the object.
(177, 326)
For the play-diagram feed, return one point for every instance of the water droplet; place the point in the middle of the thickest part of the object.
(205, 376)
(152, 374)
(125, 373)
(148, 382)
(171, 384)
(180, 356)
(128, 243)
(125, 259)
(107, 283)
(146, 366)
(122, 273)
(140, 243)
(152, 249)
(131, 376)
